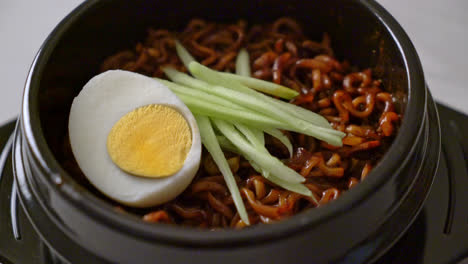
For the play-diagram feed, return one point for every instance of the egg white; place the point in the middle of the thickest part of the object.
(101, 103)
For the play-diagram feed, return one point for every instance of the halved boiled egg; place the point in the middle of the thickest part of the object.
(134, 139)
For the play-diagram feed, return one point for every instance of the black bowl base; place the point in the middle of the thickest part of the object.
(439, 234)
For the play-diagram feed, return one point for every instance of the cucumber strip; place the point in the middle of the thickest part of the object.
(255, 166)
(251, 136)
(254, 135)
(226, 113)
(211, 144)
(180, 89)
(183, 54)
(259, 134)
(281, 137)
(227, 145)
(294, 187)
(293, 123)
(263, 86)
(274, 165)
(257, 139)
(243, 63)
(304, 114)
(262, 102)
(217, 78)
(297, 111)
(333, 137)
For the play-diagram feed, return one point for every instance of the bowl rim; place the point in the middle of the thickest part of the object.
(93, 207)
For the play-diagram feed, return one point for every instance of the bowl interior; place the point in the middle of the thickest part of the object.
(74, 51)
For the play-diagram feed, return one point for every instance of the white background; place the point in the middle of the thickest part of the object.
(438, 29)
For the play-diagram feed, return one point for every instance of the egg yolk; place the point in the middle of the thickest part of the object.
(150, 141)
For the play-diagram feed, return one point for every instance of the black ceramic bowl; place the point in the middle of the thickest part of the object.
(358, 227)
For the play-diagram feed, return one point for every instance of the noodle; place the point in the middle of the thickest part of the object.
(352, 101)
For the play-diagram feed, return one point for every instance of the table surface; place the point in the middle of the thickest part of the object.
(438, 29)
